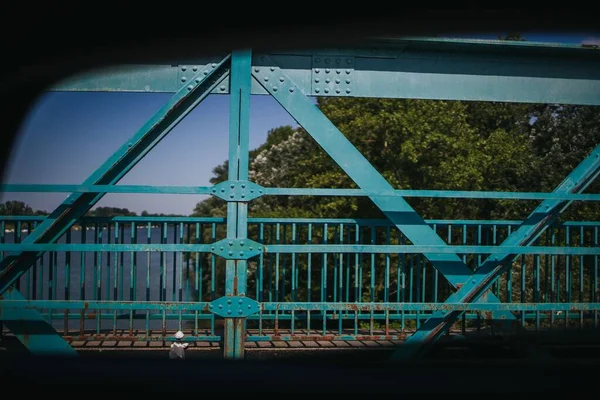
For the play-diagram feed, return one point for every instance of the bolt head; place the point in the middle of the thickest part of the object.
(228, 301)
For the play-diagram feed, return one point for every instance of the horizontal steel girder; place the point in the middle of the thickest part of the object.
(402, 68)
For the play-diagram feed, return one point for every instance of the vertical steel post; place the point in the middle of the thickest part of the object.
(237, 212)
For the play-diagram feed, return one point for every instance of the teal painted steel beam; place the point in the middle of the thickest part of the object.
(404, 68)
(213, 190)
(304, 249)
(487, 273)
(237, 210)
(31, 329)
(121, 162)
(98, 305)
(316, 221)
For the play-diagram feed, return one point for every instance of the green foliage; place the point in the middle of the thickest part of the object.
(417, 144)
(110, 212)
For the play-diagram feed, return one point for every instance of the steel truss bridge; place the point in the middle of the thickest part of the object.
(67, 277)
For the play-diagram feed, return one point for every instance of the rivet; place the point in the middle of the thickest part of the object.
(337, 60)
(597, 155)
(229, 301)
(221, 306)
(317, 80)
(473, 281)
(249, 306)
(231, 195)
(348, 71)
(222, 248)
(214, 65)
(205, 72)
(327, 80)
(195, 69)
(129, 144)
(337, 90)
(272, 69)
(260, 191)
(190, 87)
(232, 186)
(213, 248)
(228, 311)
(214, 190)
(326, 70)
(231, 253)
(256, 69)
(547, 206)
(347, 80)
(291, 90)
(183, 79)
(250, 248)
(241, 253)
(242, 243)
(327, 61)
(251, 190)
(317, 70)
(210, 306)
(348, 90)
(317, 59)
(260, 249)
(183, 68)
(317, 90)
(243, 185)
(337, 81)
(197, 80)
(240, 301)
(337, 71)
(231, 243)
(326, 90)
(222, 190)
(274, 88)
(281, 79)
(240, 311)
(348, 61)
(222, 88)
(266, 78)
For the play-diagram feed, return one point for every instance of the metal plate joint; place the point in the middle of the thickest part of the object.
(236, 249)
(241, 191)
(234, 306)
(332, 76)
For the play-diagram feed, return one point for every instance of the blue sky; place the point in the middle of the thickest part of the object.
(68, 135)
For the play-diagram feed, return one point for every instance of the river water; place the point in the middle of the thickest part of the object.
(143, 276)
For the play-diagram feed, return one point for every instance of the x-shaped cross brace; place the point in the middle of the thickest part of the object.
(470, 287)
(358, 168)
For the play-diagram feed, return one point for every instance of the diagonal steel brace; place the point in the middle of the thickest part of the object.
(113, 170)
(495, 265)
(76, 205)
(358, 168)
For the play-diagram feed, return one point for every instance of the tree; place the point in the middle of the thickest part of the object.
(14, 207)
